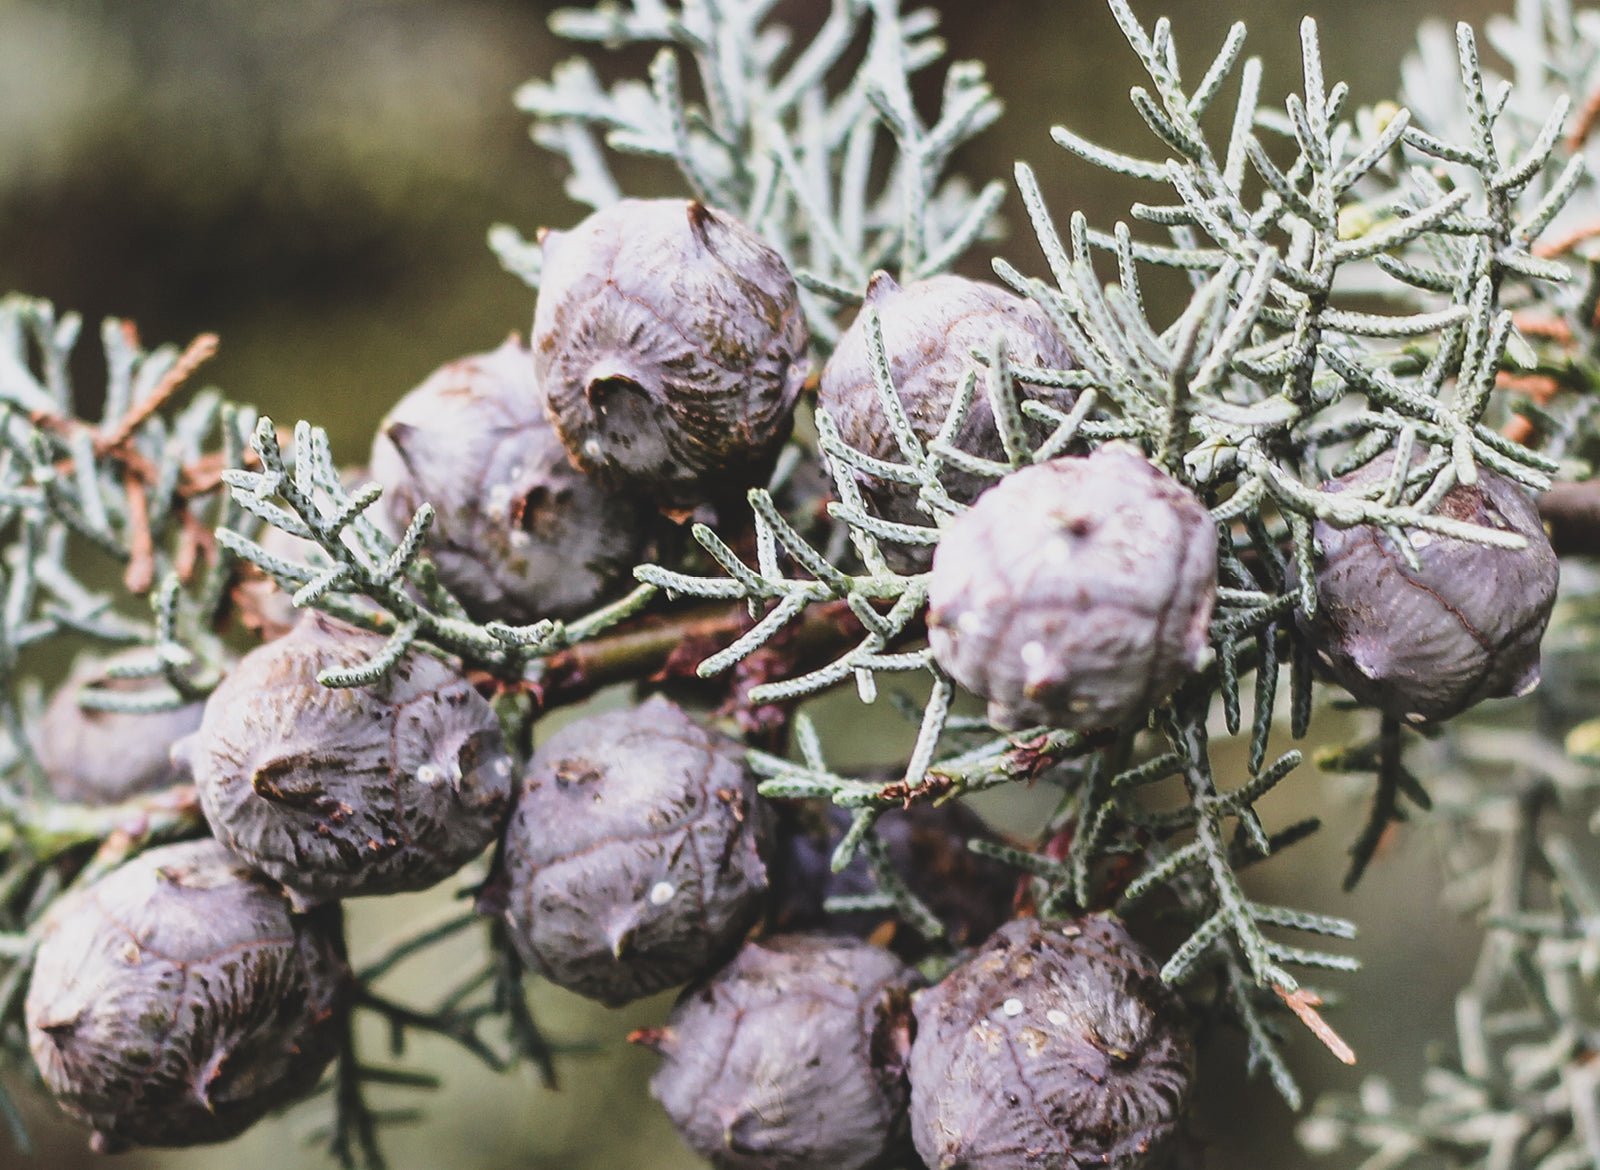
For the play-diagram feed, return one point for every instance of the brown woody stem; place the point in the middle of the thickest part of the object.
(1572, 511)
(662, 646)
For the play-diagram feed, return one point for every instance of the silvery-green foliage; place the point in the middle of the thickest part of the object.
(371, 580)
(169, 490)
(136, 487)
(778, 142)
(1514, 806)
(791, 154)
(1551, 58)
(1514, 813)
(65, 478)
(1263, 387)
(801, 159)
(1551, 54)
(1273, 379)
(1235, 397)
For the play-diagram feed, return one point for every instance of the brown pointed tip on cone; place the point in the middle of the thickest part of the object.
(178, 1000)
(657, 1040)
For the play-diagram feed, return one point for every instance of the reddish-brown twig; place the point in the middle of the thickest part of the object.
(1584, 122)
(140, 574)
(1304, 1004)
(1539, 387)
(1553, 328)
(1550, 249)
(199, 350)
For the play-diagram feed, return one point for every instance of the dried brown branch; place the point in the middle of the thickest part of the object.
(1584, 122)
(1555, 329)
(663, 647)
(140, 574)
(1541, 388)
(1304, 1004)
(199, 350)
(1550, 249)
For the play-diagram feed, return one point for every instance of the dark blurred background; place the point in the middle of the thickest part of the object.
(313, 179)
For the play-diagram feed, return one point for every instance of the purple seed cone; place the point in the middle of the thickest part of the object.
(930, 328)
(1427, 643)
(671, 345)
(633, 861)
(1054, 1047)
(518, 534)
(104, 757)
(343, 791)
(792, 1057)
(177, 1000)
(1075, 593)
(969, 893)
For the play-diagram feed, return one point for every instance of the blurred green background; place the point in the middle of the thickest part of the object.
(312, 179)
